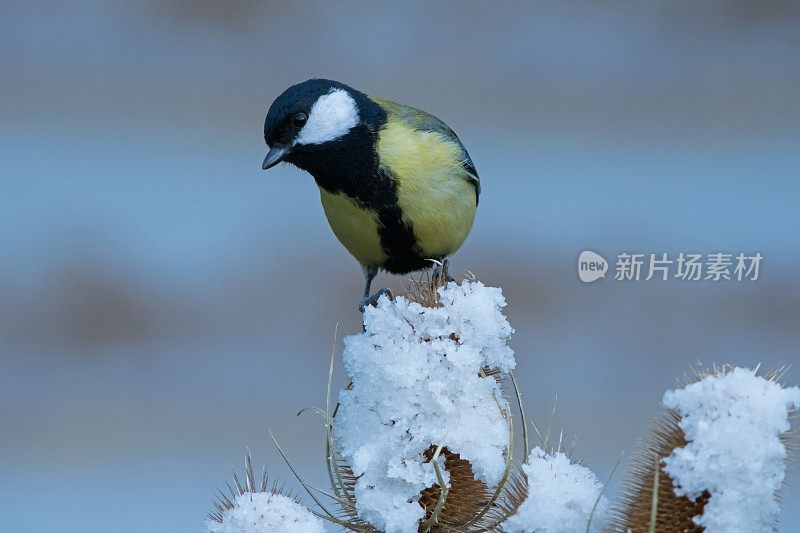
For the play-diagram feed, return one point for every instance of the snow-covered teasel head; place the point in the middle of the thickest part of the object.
(418, 378)
(254, 506)
(717, 455)
(733, 422)
(561, 496)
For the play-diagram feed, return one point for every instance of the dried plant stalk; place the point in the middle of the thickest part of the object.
(424, 290)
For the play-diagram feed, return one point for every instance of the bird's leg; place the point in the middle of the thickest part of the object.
(369, 274)
(367, 300)
(446, 271)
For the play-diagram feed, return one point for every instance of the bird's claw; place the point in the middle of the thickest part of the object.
(441, 272)
(373, 300)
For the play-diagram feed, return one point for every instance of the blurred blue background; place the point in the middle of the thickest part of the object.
(163, 301)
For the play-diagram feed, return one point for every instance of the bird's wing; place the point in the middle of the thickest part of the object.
(423, 121)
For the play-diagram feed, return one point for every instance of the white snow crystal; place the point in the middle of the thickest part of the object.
(416, 383)
(732, 424)
(561, 496)
(265, 512)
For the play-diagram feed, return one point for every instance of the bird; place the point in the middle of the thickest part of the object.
(397, 186)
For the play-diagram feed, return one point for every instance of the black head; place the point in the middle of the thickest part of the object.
(311, 115)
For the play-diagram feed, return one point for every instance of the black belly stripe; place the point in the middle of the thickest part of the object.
(397, 239)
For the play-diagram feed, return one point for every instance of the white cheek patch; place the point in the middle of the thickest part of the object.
(331, 117)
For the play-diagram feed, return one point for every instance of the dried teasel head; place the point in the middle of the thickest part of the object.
(648, 501)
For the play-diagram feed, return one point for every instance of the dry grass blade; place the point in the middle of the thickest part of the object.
(602, 491)
(300, 480)
(424, 290)
(335, 474)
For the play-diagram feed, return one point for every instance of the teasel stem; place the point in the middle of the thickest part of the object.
(443, 492)
(517, 392)
(654, 505)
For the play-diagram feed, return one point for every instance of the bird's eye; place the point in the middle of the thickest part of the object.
(300, 119)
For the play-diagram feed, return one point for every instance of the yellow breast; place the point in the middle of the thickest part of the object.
(355, 227)
(432, 189)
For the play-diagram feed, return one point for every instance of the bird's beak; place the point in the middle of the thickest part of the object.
(275, 155)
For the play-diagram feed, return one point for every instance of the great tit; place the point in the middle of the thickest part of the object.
(397, 186)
